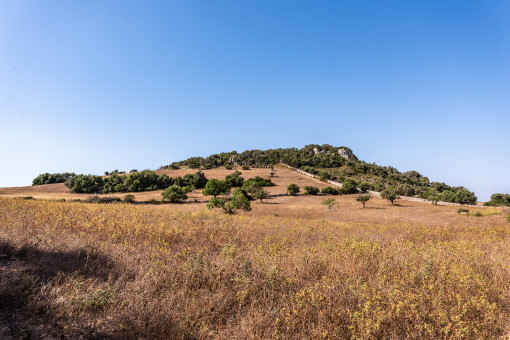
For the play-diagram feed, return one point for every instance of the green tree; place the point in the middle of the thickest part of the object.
(259, 193)
(331, 204)
(349, 187)
(329, 191)
(363, 199)
(390, 194)
(238, 200)
(311, 190)
(364, 187)
(215, 187)
(175, 193)
(292, 189)
(235, 179)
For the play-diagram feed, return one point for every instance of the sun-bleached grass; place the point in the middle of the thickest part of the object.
(134, 271)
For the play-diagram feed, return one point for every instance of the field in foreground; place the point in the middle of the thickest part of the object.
(124, 271)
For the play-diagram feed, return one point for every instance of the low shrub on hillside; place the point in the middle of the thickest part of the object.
(311, 190)
(330, 191)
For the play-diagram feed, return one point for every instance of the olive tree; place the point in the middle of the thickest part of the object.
(331, 204)
(363, 199)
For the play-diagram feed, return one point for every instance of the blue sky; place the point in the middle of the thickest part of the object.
(100, 85)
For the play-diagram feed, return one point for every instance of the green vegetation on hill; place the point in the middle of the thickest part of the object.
(338, 164)
(135, 182)
(499, 199)
(52, 178)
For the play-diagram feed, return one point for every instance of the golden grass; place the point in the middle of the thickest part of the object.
(139, 271)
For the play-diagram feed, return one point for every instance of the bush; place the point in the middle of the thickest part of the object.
(85, 184)
(311, 190)
(259, 193)
(462, 210)
(215, 187)
(349, 187)
(52, 178)
(239, 200)
(390, 194)
(477, 214)
(229, 166)
(499, 199)
(175, 193)
(508, 218)
(235, 179)
(363, 199)
(364, 187)
(330, 191)
(153, 201)
(103, 200)
(261, 182)
(292, 189)
(129, 198)
(246, 167)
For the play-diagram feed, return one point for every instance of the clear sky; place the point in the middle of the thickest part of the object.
(90, 86)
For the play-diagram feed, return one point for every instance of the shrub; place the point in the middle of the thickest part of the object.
(239, 200)
(364, 187)
(477, 214)
(329, 191)
(229, 166)
(292, 189)
(499, 199)
(363, 199)
(85, 184)
(196, 180)
(311, 190)
(330, 204)
(235, 179)
(129, 198)
(215, 187)
(259, 193)
(508, 218)
(462, 210)
(47, 178)
(349, 187)
(390, 194)
(175, 193)
(153, 201)
(261, 182)
(246, 167)
(324, 176)
(133, 170)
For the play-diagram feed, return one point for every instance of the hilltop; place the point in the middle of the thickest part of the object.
(338, 164)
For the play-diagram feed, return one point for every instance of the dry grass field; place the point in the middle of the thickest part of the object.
(281, 271)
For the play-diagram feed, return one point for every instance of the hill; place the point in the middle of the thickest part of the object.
(338, 164)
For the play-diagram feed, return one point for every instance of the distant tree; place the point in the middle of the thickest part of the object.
(311, 190)
(235, 179)
(390, 194)
(196, 180)
(292, 189)
(259, 193)
(133, 170)
(175, 193)
(85, 184)
(215, 187)
(329, 191)
(349, 187)
(238, 200)
(331, 204)
(363, 199)
(364, 187)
